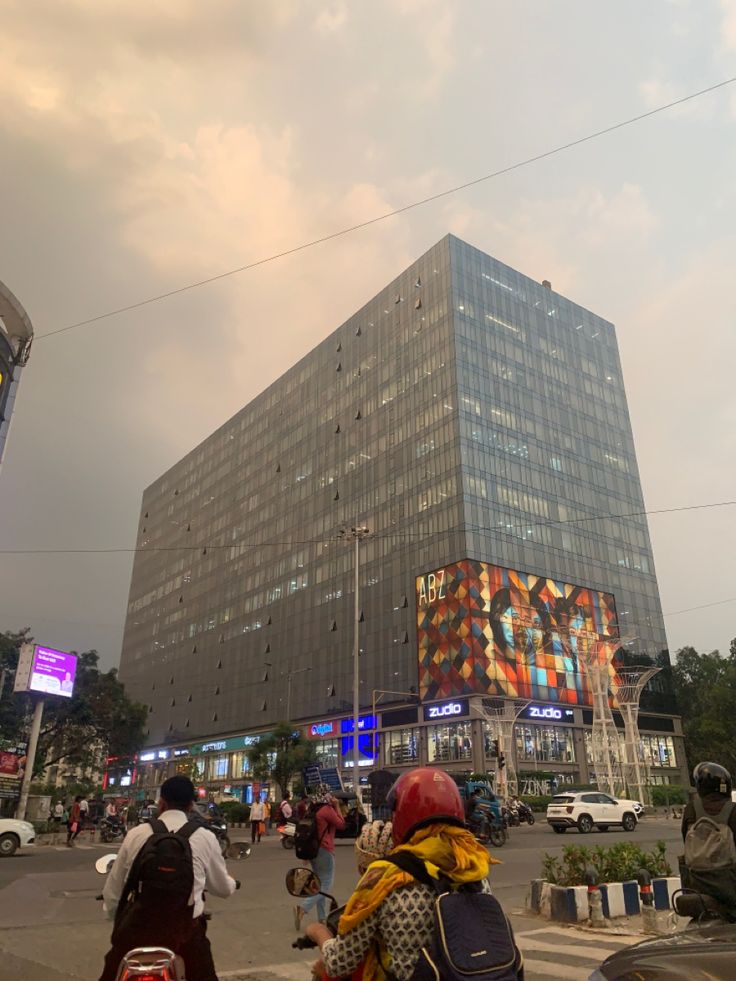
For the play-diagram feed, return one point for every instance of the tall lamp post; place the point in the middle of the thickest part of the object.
(289, 676)
(356, 535)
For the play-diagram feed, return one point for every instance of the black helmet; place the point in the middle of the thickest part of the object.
(712, 778)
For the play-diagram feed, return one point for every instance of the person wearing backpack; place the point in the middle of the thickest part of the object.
(314, 841)
(285, 810)
(709, 833)
(433, 884)
(155, 889)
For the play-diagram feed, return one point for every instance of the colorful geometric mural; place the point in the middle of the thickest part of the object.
(486, 630)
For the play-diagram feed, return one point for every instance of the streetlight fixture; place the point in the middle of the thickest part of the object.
(356, 535)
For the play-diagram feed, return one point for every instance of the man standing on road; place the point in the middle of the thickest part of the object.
(257, 814)
(137, 925)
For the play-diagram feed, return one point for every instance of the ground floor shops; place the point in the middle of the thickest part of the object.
(550, 747)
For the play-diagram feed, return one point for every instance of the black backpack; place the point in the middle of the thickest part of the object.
(156, 896)
(472, 938)
(307, 839)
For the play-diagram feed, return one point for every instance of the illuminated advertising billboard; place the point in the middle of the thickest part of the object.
(52, 672)
(485, 630)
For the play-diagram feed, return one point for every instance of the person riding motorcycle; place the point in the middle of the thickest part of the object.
(475, 816)
(389, 917)
(177, 798)
(713, 800)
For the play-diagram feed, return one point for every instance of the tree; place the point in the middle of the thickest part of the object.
(98, 720)
(280, 755)
(705, 687)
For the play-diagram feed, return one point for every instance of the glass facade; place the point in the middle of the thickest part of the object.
(464, 412)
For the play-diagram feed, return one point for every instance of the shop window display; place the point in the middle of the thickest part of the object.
(402, 746)
(544, 744)
(449, 742)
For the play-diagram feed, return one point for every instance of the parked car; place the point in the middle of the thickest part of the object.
(591, 809)
(14, 835)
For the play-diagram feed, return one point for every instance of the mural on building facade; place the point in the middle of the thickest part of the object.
(486, 630)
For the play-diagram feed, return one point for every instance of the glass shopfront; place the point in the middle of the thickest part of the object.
(402, 746)
(326, 752)
(449, 742)
(544, 744)
(659, 750)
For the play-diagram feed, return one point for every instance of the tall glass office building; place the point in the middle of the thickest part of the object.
(476, 422)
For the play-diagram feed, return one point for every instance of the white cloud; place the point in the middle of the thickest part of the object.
(331, 19)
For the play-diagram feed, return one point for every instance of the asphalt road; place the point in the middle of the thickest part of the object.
(52, 929)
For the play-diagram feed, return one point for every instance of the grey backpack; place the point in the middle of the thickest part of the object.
(709, 843)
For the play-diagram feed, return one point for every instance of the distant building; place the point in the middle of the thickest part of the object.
(16, 334)
(476, 422)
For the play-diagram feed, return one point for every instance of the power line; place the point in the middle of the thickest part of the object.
(703, 606)
(389, 214)
(388, 534)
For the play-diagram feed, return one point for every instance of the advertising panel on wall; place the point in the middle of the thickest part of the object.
(12, 768)
(485, 630)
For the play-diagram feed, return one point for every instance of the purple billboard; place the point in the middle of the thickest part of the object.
(52, 672)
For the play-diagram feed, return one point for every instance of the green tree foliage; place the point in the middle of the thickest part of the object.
(705, 686)
(617, 863)
(280, 755)
(98, 719)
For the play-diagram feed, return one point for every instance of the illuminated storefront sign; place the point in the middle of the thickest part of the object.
(365, 723)
(211, 747)
(446, 710)
(547, 713)
(323, 729)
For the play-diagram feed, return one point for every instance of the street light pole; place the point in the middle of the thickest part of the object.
(356, 534)
(289, 676)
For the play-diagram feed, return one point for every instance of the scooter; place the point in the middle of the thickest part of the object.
(302, 882)
(287, 832)
(111, 830)
(156, 963)
(526, 814)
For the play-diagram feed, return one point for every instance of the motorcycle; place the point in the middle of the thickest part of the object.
(704, 950)
(211, 817)
(301, 882)
(156, 963)
(526, 814)
(111, 830)
(489, 828)
(287, 832)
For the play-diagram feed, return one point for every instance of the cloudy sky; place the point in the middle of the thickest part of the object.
(147, 144)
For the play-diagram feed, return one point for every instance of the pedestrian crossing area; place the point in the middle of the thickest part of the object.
(550, 953)
(557, 952)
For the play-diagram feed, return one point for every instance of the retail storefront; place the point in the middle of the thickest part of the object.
(451, 733)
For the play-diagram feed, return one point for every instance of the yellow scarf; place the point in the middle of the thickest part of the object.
(446, 850)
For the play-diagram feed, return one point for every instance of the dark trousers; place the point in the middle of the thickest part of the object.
(196, 953)
(255, 834)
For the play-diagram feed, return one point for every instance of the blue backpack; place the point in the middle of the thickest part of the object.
(472, 938)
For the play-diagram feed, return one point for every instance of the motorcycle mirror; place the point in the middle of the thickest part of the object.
(238, 850)
(301, 882)
(104, 864)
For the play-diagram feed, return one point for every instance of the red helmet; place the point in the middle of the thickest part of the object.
(423, 796)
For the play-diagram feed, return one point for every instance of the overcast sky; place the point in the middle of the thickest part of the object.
(147, 144)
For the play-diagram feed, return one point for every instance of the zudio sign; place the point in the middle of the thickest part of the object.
(446, 710)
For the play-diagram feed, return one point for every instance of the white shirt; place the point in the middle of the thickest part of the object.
(210, 871)
(257, 811)
(83, 806)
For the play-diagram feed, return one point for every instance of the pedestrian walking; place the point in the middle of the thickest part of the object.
(328, 819)
(303, 806)
(58, 814)
(74, 824)
(257, 812)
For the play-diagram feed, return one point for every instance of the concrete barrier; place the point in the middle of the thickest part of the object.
(569, 904)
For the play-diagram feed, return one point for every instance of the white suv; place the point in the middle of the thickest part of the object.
(590, 809)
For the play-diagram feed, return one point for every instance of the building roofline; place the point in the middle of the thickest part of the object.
(15, 323)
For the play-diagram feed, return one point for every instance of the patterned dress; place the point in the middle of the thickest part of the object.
(401, 925)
